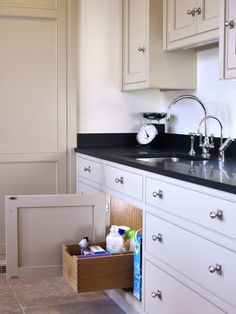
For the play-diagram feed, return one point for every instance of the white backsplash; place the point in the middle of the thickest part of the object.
(218, 95)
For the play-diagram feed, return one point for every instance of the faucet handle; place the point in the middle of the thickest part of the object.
(192, 151)
(212, 140)
(200, 139)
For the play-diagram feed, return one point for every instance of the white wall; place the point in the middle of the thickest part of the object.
(103, 108)
(218, 95)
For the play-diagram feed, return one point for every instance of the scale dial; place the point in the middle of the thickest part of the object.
(146, 134)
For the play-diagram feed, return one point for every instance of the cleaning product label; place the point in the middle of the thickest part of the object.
(138, 266)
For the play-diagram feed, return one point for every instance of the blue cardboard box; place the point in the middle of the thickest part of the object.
(138, 267)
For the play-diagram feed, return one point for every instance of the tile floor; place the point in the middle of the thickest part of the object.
(50, 296)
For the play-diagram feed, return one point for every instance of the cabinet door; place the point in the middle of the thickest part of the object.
(135, 41)
(208, 15)
(228, 39)
(180, 23)
(37, 226)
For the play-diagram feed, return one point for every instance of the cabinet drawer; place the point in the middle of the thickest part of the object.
(192, 205)
(97, 273)
(193, 256)
(125, 182)
(174, 297)
(90, 170)
(87, 189)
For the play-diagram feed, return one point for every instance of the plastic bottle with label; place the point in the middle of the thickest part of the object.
(114, 241)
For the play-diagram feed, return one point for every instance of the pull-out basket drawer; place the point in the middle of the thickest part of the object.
(97, 273)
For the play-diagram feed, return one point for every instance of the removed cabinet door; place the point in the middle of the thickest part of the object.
(37, 226)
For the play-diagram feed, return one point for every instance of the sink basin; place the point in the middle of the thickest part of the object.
(165, 157)
(159, 159)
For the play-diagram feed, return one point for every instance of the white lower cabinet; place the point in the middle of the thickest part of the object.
(193, 256)
(189, 239)
(165, 295)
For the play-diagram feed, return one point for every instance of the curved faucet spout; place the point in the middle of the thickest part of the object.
(192, 97)
(215, 118)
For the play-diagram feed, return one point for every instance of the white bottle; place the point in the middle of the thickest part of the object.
(114, 241)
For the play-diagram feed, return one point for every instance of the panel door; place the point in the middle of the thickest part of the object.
(180, 24)
(37, 226)
(135, 41)
(208, 16)
(33, 106)
(229, 40)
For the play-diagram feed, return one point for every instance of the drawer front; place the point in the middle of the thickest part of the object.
(125, 182)
(97, 273)
(86, 189)
(166, 295)
(193, 256)
(90, 170)
(194, 206)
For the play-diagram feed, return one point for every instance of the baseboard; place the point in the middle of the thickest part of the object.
(125, 300)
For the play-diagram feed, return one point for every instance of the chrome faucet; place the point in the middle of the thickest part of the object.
(187, 97)
(223, 147)
(208, 144)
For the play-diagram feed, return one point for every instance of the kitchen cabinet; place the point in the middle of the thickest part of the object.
(165, 295)
(228, 39)
(189, 239)
(190, 23)
(145, 64)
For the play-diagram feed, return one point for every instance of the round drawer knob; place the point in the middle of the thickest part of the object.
(229, 24)
(218, 214)
(156, 237)
(157, 194)
(190, 12)
(141, 49)
(87, 169)
(215, 268)
(156, 294)
(119, 180)
(197, 10)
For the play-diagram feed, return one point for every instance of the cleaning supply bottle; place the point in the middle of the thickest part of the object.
(114, 241)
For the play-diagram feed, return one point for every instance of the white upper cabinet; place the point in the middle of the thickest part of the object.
(145, 64)
(190, 22)
(228, 39)
(135, 41)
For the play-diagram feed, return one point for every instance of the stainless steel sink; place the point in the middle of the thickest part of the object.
(159, 159)
(165, 157)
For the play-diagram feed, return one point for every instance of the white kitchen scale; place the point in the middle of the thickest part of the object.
(148, 131)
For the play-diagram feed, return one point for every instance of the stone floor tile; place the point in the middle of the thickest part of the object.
(8, 302)
(94, 307)
(48, 291)
(3, 280)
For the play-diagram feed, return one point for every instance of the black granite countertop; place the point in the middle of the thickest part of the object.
(212, 173)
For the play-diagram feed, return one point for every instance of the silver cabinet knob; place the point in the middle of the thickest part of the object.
(119, 180)
(190, 12)
(197, 10)
(141, 49)
(218, 214)
(215, 268)
(156, 237)
(87, 169)
(229, 24)
(157, 294)
(157, 194)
